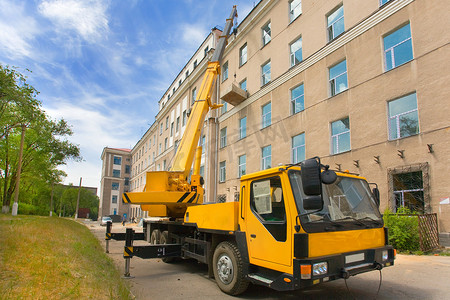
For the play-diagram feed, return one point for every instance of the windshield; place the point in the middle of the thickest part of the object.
(348, 204)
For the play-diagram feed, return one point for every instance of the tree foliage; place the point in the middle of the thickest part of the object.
(403, 229)
(45, 147)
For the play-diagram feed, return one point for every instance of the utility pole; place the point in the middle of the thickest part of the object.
(51, 200)
(78, 199)
(19, 170)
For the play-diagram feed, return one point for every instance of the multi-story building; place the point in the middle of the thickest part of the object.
(115, 180)
(361, 85)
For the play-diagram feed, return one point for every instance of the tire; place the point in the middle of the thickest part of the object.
(165, 240)
(228, 269)
(155, 238)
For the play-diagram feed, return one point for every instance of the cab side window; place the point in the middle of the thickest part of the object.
(267, 203)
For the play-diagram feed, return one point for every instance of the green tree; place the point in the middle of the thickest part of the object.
(46, 146)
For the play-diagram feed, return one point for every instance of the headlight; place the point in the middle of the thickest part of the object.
(320, 268)
(384, 255)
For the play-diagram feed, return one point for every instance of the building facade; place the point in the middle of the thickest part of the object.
(364, 87)
(115, 180)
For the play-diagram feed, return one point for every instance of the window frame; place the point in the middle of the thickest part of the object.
(242, 130)
(241, 62)
(265, 33)
(242, 166)
(264, 159)
(332, 136)
(292, 18)
(225, 71)
(391, 49)
(293, 102)
(332, 81)
(242, 81)
(331, 26)
(263, 74)
(398, 116)
(263, 116)
(222, 171)
(292, 54)
(223, 137)
(294, 149)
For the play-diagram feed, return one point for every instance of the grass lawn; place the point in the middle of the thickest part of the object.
(54, 258)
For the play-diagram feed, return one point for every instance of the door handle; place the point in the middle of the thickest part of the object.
(253, 235)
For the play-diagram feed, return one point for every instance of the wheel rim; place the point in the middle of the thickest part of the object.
(225, 269)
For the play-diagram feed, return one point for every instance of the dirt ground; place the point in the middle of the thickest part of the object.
(412, 277)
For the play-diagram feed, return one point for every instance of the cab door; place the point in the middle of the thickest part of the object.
(267, 226)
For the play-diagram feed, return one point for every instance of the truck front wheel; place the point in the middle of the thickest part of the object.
(228, 269)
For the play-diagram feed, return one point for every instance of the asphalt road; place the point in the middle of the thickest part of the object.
(412, 277)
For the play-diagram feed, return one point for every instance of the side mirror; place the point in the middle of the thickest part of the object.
(328, 176)
(376, 195)
(313, 202)
(312, 185)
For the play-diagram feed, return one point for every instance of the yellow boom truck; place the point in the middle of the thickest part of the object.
(294, 225)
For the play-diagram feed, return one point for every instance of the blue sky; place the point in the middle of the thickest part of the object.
(103, 65)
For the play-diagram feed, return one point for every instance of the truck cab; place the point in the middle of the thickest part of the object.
(291, 244)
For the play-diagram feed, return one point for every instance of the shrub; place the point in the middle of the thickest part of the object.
(29, 209)
(403, 228)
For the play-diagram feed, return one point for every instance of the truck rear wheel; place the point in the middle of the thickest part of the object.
(228, 269)
(155, 237)
(165, 240)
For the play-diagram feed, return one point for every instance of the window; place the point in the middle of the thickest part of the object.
(267, 203)
(116, 173)
(265, 73)
(338, 78)
(154, 140)
(225, 71)
(403, 117)
(296, 52)
(340, 136)
(408, 191)
(127, 169)
(187, 73)
(184, 118)
(167, 123)
(173, 90)
(171, 129)
(243, 84)
(243, 55)
(266, 34)
(164, 165)
(242, 165)
(178, 124)
(114, 199)
(179, 82)
(295, 9)
(195, 64)
(222, 171)
(398, 47)
(335, 23)
(160, 148)
(160, 128)
(117, 160)
(206, 50)
(127, 181)
(298, 148)
(266, 157)
(243, 127)
(297, 99)
(223, 137)
(115, 186)
(165, 144)
(383, 2)
(202, 171)
(266, 115)
(203, 142)
(224, 107)
(194, 95)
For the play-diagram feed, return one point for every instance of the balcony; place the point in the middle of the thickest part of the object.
(233, 95)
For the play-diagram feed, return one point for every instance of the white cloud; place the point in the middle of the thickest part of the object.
(86, 17)
(193, 34)
(17, 30)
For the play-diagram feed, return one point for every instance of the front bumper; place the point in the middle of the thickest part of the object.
(339, 266)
